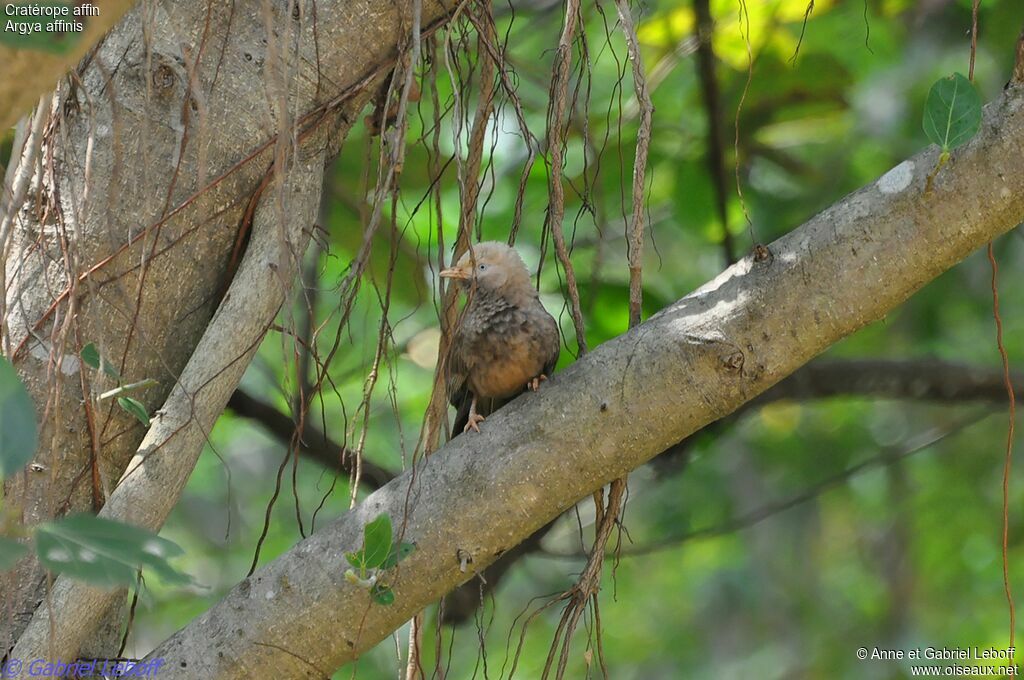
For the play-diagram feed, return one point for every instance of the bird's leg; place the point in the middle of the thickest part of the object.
(534, 384)
(473, 423)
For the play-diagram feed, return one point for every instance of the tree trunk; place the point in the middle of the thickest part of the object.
(137, 190)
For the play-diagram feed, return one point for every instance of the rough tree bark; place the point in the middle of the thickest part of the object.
(147, 167)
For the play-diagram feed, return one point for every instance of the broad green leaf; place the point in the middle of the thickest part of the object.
(382, 594)
(104, 552)
(109, 369)
(92, 358)
(10, 552)
(377, 541)
(17, 422)
(399, 552)
(90, 355)
(134, 407)
(952, 112)
(52, 37)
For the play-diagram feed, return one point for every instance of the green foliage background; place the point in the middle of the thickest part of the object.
(900, 556)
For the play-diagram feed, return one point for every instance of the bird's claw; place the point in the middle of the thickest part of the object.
(534, 384)
(473, 423)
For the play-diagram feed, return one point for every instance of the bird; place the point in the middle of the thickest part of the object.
(506, 342)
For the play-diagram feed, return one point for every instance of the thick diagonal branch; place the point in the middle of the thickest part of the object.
(694, 362)
(161, 467)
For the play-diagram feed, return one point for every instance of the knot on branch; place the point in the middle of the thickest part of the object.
(733, 361)
(165, 75)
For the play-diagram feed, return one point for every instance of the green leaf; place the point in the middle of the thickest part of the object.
(10, 552)
(134, 407)
(24, 35)
(90, 355)
(377, 541)
(356, 559)
(17, 422)
(399, 552)
(104, 552)
(92, 358)
(952, 112)
(382, 594)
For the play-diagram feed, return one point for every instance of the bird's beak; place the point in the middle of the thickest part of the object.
(454, 273)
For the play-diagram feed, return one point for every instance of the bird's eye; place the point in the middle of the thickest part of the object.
(482, 267)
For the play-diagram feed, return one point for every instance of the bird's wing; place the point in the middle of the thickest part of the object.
(456, 372)
(551, 343)
(456, 384)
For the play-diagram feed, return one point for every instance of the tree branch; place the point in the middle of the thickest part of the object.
(920, 379)
(712, 101)
(694, 362)
(923, 379)
(314, 444)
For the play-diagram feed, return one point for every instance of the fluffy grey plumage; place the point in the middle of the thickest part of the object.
(506, 343)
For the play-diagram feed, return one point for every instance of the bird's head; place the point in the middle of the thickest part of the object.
(491, 266)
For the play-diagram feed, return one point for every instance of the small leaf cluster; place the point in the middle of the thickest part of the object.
(91, 357)
(97, 550)
(85, 547)
(380, 552)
